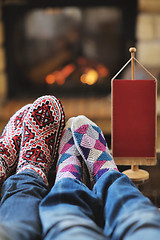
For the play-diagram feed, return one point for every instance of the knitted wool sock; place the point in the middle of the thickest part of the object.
(69, 164)
(42, 130)
(10, 143)
(92, 146)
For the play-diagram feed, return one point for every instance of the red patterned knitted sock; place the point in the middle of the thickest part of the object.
(10, 143)
(69, 164)
(42, 130)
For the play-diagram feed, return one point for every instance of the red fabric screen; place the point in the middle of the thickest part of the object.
(134, 118)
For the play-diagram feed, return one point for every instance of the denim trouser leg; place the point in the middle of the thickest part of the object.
(128, 214)
(71, 211)
(19, 210)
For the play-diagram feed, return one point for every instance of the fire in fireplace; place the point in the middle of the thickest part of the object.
(66, 49)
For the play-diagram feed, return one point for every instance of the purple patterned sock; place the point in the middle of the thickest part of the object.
(92, 146)
(69, 164)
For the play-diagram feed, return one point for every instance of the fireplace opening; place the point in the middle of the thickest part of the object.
(66, 50)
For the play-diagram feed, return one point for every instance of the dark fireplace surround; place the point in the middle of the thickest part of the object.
(111, 54)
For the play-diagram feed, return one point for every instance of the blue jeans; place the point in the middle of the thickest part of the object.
(115, 209)
(19, 210)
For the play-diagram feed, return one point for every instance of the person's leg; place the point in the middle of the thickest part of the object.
(19, 215)
(70, 210)
(22, 192)
(128, 214)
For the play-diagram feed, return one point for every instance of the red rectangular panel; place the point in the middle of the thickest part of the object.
(134, 118)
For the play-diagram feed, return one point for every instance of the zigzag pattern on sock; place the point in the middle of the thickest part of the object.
(69, 162)
(42, 130)
(10, 142)
(92, 145)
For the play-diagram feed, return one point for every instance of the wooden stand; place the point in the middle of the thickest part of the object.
(135, 174)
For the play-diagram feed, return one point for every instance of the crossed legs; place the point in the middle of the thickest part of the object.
(112, 208)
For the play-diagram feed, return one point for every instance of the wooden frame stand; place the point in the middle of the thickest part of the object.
(136, 174)
(134, 121)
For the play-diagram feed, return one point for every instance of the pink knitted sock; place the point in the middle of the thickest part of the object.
(69, 163)
(92, 146)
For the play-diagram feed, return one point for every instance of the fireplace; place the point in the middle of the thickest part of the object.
(66, 48)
